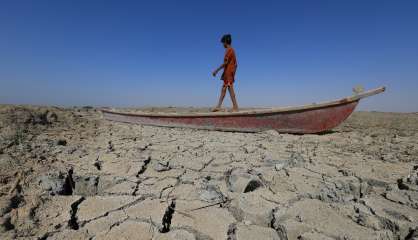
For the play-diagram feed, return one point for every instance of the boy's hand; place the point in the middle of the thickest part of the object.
(214, 73)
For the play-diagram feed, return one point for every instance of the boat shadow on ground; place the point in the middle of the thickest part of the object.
(319, 134)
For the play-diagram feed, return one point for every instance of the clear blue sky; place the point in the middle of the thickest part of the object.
(135, 53)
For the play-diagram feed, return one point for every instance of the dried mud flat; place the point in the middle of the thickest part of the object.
(68, 174)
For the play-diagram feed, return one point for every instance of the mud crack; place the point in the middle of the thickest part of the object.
(168, 215)
(144, 167)
(73, 223)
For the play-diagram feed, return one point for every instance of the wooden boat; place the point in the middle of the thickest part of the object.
(312, 118)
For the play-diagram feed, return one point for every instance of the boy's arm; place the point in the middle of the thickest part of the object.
(219, 68)
(226, 61)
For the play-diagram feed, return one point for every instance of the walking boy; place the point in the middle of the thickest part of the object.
(228, 76)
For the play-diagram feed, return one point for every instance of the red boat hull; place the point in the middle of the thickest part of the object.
(312, 120)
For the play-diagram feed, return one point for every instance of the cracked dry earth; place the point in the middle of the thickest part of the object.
(69, 174)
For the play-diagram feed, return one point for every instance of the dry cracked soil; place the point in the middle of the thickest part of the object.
(66, 173)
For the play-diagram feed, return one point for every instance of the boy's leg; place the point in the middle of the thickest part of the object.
(221, 98)
(233, 99)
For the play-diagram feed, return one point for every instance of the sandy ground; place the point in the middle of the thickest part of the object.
(68, 174)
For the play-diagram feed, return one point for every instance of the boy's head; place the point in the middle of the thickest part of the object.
(226, 40)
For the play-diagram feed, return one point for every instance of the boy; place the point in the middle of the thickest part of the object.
(228, 76)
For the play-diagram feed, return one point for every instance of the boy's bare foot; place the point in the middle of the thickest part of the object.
(216, 109)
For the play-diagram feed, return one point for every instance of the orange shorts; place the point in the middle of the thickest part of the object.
(228, 80)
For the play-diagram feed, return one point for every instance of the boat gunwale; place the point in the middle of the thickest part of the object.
(255, 112)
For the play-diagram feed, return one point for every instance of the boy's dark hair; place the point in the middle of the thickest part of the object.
(226, 39)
